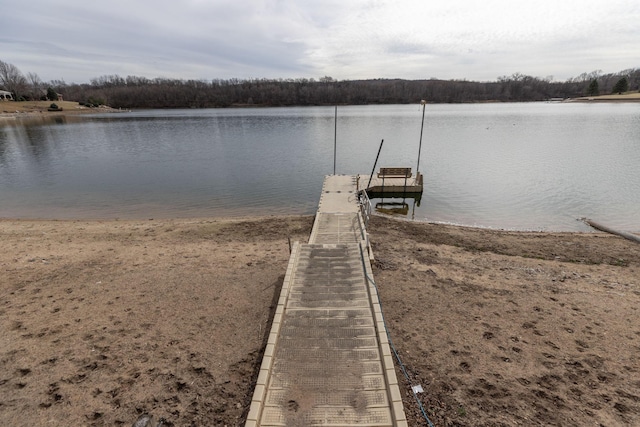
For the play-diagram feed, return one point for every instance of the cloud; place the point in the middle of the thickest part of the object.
(446, 38)
(197, 39)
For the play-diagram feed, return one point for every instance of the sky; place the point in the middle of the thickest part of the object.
(480, 40)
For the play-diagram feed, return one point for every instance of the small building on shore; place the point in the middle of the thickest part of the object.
(5, 96)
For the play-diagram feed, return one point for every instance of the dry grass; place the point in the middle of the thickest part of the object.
(39, 106)
(629, 96)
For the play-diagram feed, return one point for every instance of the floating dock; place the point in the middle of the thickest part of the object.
(328, 361)
(397, 182)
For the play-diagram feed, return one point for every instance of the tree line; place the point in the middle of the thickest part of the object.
(142, 92)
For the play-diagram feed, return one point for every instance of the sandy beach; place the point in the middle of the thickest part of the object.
(104, 321)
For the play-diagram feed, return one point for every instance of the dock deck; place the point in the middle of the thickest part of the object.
(327, 360)
(395, 186)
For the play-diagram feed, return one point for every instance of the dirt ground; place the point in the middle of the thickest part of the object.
(104, 321)
(512, 328)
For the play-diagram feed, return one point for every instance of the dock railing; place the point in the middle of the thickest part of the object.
(363, 219)
(365, 206)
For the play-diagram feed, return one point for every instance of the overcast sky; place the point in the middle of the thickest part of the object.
(77, 40)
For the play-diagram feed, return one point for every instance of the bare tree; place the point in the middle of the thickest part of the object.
(12, 79)
(36, 86)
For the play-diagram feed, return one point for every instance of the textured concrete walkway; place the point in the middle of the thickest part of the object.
(327, 361)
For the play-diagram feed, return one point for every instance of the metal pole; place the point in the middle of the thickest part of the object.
(374, 165)
(424, 103)
(335, 139)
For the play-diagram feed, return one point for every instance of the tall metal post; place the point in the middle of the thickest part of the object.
(335, 139)
(424, 104)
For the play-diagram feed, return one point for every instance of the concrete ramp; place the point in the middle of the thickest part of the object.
(327, 361)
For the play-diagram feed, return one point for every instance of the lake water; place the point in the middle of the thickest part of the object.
(533, 166)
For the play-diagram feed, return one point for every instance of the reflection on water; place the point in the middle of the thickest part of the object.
(393, 208)
(522, 166)
(396, 204)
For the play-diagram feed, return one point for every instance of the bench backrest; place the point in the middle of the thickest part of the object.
(394, 173)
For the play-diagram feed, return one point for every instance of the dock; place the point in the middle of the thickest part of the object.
(396, 182)
(327, 361)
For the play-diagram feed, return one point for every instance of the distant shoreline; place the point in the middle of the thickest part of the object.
(13, 109)
(629, 97)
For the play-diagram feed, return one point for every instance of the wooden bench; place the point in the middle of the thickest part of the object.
(395, 173)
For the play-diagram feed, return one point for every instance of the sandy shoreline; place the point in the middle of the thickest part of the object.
(103, 321)
(10, 111)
